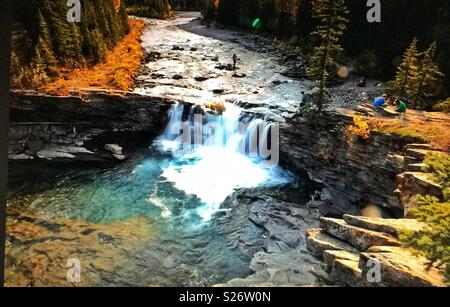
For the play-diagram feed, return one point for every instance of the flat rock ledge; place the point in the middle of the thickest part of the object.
(365, 252)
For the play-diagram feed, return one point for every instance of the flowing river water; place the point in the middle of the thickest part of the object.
(172, 202)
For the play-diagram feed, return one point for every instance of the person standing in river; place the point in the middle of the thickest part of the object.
(235, 58)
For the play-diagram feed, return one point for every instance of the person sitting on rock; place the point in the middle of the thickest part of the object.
(380, 101)
(400, 106)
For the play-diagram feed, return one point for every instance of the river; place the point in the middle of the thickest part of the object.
(158, 218)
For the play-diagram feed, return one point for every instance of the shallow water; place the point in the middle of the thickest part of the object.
(201, 251)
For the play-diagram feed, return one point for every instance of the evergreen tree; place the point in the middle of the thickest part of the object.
(429, 74)
(43, 52)
(330, 16)
(407, 74)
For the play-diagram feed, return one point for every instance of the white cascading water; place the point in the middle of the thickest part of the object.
(213, 169)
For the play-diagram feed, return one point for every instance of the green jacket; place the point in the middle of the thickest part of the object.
(402, 107)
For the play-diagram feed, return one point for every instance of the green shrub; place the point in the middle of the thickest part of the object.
(438, 163)
(442, 106)
(434, 242)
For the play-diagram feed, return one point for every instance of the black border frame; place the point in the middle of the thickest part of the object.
(5, 58)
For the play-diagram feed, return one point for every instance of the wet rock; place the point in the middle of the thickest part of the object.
(157, 76)
(18, 132)
(35, 144)
(114, 149)
(20, 157)
(276, 82)
(54, 154)
(105, 238)
(43, 263)
(152, 56)
(218, 91)
(239, 75)
(228, 67)
(201, 78)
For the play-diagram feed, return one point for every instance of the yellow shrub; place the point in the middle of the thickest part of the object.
(360, 128)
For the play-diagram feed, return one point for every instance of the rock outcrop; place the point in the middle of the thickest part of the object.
(384, 170)
(362, 251)
(278, 252)
(58, 128)
(353, 174)
(38, 250)
(414, 179)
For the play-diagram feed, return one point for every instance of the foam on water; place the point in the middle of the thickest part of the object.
(214, 170)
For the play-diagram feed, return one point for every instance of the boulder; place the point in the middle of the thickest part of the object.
(114, 149)
(201, 78)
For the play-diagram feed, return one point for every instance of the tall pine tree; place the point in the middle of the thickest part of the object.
(429, 75)
(407, 74)
(43, 52)
(330, 16)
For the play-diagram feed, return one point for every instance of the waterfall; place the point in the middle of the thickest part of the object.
(216, 154)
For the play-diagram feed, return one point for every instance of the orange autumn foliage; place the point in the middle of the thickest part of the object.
(117, 4)
(359, 128)
(436, 133)
(117, 72)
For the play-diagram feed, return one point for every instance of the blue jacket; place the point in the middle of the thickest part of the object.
(379, 102)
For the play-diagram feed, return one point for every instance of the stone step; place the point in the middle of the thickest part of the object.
(418, 146)
(358, 237)
(401, 268)
(425, 180)
(389, 226)
(419, 154)
(416, 167)
(317, 241)
(347, 272)
(329, 256)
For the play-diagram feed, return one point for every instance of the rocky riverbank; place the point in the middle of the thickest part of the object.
(86, 128)
(354, 247)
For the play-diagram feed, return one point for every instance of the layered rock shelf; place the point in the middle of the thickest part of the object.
(60, 128)
(351, 246)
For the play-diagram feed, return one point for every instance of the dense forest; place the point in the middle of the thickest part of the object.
(374, 48)
(150, 8)
(162, 8)
(188, 5)
(44, 40)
